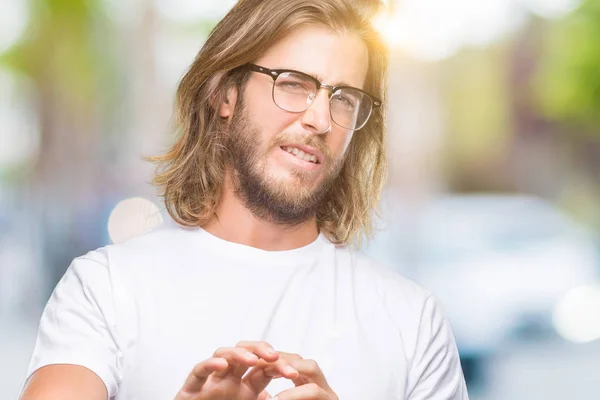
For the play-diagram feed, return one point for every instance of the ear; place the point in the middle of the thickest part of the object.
(227, 107)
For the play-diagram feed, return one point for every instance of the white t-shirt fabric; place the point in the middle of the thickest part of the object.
(142, 313)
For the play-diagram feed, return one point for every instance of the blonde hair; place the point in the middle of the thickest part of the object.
(191, 173)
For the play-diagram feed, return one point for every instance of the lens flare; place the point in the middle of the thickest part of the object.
(132, 217)
(577, 315)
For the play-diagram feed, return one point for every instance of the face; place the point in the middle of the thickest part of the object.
(275, 180)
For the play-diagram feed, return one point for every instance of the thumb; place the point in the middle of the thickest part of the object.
(264, 395)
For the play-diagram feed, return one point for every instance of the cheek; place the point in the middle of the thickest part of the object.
(338, 142)
(269, 119)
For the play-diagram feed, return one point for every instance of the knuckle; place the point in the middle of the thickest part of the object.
(220, 350)
(197, 369)
(265, 344)
(313, 365)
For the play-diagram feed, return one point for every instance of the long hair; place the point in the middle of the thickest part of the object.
(190, 175)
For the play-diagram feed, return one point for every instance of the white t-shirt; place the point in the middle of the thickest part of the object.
(142, 313)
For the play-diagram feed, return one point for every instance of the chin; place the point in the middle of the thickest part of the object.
(298, 179)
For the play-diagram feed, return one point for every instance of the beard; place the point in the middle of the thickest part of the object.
(277, 200)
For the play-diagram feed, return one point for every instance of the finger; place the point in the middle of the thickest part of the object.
(281, 368)
(284, 364)
(262, 349)
(264, 395)
(290, 356)
(310, 391)
(263, 373)
(308, 370)
(259, 348)
(201, 372)
(239, 361)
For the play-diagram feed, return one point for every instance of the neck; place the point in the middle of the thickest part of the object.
(235, 223)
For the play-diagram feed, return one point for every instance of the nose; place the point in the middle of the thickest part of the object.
(317, 117)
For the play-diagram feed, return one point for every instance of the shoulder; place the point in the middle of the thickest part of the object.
(383, 280)
(414, 311)
(156, 244)
(385, 292)
(135, 260)
(164, 238)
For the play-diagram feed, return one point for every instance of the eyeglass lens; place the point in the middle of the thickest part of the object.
(349, 108)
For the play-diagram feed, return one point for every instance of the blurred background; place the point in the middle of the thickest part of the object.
(493, 200)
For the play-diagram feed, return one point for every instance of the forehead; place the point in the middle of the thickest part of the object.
(334, 57)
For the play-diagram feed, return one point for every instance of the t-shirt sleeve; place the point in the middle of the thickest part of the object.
(436, 373)
(78, 323)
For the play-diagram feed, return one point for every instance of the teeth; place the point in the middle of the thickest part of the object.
(300, 154)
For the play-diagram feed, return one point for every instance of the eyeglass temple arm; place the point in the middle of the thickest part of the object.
(262, 70)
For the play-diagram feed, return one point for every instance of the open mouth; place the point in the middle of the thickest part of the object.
(301, 154)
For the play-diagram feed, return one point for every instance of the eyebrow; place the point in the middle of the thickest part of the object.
(320, 78)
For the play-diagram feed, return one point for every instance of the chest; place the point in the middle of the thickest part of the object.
(355, 367)
(359, 350)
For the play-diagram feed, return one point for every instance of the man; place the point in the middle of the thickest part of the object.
(254, 293)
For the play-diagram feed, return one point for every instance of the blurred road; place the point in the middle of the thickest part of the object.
(544, 370)
(548, 370)
(17, 338)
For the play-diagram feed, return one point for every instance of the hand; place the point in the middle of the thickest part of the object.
(310, 381)
(220, 377)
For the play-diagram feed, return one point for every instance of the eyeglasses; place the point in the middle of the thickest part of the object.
(295, 91)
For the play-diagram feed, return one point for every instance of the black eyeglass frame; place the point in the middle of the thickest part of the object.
(274, 74)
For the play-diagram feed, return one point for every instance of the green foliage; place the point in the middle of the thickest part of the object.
(64, 48)
(568, 83)
(476, 91)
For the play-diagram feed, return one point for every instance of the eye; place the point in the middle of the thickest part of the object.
(348, 102)
(292, 84)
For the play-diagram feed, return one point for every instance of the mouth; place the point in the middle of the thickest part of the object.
(304, 153)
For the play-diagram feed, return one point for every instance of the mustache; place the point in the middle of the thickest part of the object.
(316, 141)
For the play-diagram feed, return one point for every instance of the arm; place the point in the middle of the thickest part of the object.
(64, 382)
(77, 348)
(435, 372)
